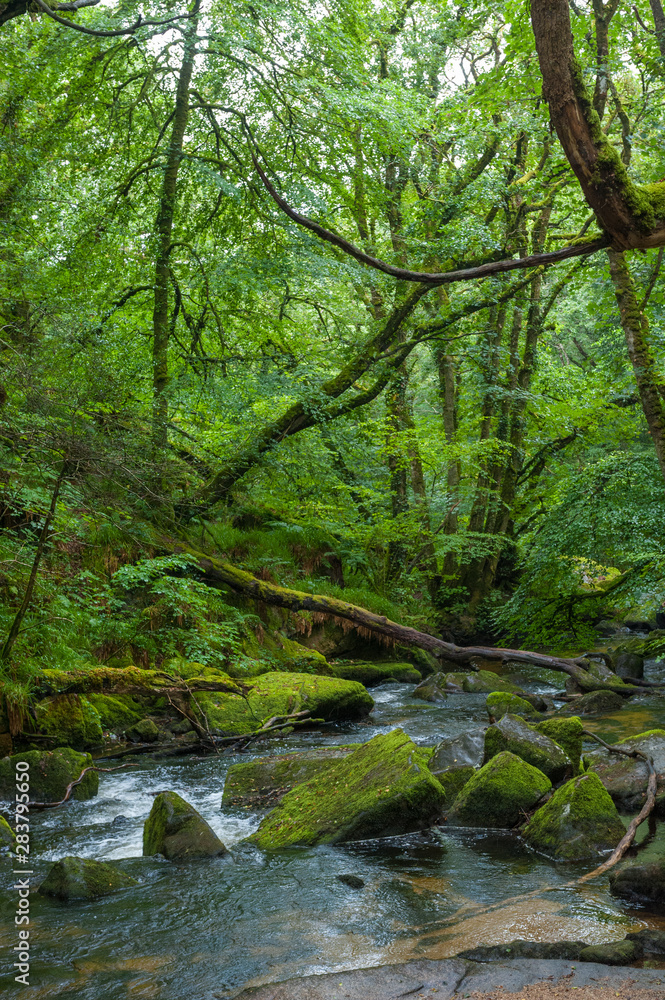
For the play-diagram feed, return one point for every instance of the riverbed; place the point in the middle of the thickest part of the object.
(209, 928)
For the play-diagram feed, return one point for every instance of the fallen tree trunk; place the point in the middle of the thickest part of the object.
(295, 600)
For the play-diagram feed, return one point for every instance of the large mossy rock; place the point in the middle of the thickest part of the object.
(485, 681)
(328, 698)
(176, 830)
(568, 733)
(626, 778)
(50, 773)
(433, 688)
(371, 674)
(82, 878)
(117, 712)
(71, 720)
(262, 783)
(145, 731)
(579, 822)
(7, 837)
(640, 883)
(381, 790)
(611, 953)
(594, 703)
(500, 793)
(514, 734)
(500, 703)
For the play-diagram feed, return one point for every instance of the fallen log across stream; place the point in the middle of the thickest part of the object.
(242, 582)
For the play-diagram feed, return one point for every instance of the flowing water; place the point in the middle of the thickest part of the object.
(205, 929)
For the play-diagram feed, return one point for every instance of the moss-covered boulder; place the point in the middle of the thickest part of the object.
(640, 883)
(453, 781)
(514, 734)
(465, 750)
(7, 837)
(486, 681)
(71, 720)
(433, 688)
(145, 731)
(611, 953)
(500, 793)
(82, 878)
(371, 674)
(594, 703)
(175, 829)
(626, 778)
(381, 790)
(500, 703)
(117, 712)
(579, 822)
(50, 773)
(328, 698)
(262, 783)
(568, 733)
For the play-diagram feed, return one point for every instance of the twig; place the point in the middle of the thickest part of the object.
(72, 784)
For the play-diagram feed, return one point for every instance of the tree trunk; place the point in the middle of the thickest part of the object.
(164, 232)
(636, 329)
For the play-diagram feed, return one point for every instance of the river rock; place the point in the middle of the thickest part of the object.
(383, 789)
(611, 953)
(71, 720)
(626, 778)
(567, 950)
(485, 681)
(594, 703)
(277, 694)
(176, 830)
(7, 838)
(568, 733)
(371, 674)
(650, 942)
(145, 731)
(514, 734)
(82, 878)
(640, 883)
(629, 665)
(433, 688)
(499, 703)
(262, 783)
(50, 772)
(465, 750)
(500, 793)
(580, 821)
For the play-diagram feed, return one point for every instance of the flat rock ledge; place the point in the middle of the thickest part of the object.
(452, 977)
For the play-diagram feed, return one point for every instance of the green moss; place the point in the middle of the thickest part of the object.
(500, 793)
(144, 731)
(6, 834)
(382, 789)
(176, 830)
(485, 681)
(71, 720)
(81, 878)
(579, 821)
(499, 703)
(567, 733)
(643, 736)
(515, 735)
(50, 772)
(116, 711)
(376, 673)
(453, 781)
(281, 694)
(261, 784)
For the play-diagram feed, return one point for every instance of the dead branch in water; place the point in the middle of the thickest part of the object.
(72, 785)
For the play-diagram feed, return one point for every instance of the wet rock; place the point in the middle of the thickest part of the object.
(261, 784)
(568, 734)
(184, 726)
(371, 674)
(453, 781)
(353, 881)
(175, 829)
(485, 681)
(381, 790)
(514, 734)
(119, 821)
(499, 703)
(607, 628)
(626, 778)
(7, 838)
(327, 698)
(145, 731)
(594, 703)
(50, 771)
(638, 624)
(465, 750)
(566, 950)
(629, 665)
(580, 821)
(612, 953)
(82, 878)
(640, 883)
(649, 941)
(71, 720)
(433, 688)
(500, 793)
